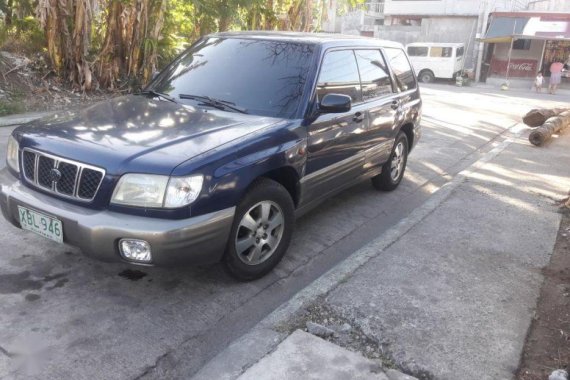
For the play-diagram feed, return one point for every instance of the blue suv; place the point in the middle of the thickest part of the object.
(218, 155)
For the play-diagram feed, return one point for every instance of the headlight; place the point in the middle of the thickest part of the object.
(12, 154)
(148, 190)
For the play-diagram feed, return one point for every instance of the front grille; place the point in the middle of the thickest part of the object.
(45, 165)
(66, 185)
(29, 161)
(89, 182)
(64, 177)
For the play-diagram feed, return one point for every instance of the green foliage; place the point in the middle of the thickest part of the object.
(345, 6)
(180, 23)
(23, 35)
(9, 108)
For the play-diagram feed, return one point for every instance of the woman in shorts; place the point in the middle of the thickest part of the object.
(555, 76)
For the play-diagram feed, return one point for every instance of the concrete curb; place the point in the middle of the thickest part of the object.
(12, 120)
(265, 337)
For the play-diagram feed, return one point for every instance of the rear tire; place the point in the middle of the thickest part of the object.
(261, 232)
(426, 76)
(393, 170)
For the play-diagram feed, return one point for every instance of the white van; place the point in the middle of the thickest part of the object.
(436, 60)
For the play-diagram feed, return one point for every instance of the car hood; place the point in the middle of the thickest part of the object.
(137, 134)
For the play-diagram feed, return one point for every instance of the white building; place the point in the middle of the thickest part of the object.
(409, 21)
(549, 5)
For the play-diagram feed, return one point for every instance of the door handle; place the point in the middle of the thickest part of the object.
(395, 105)
(358, 117)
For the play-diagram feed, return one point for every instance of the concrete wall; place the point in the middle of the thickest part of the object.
(443, 7)
(433, 7)
(448, 7)
(329, 25)
(551, 5)
(535, 51)
(434, 29)
(352, 23)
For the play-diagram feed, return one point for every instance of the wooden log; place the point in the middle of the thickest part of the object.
(553, 125)
(536, 117)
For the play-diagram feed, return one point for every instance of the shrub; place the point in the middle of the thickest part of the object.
(24, 36)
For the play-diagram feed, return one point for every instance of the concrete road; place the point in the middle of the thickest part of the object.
(65, 316)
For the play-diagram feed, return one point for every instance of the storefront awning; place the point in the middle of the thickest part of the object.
(544, 27)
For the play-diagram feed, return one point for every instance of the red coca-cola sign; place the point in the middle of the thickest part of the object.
(519, 68)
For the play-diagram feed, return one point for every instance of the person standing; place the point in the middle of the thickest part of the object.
(555, 76)
(538, 82)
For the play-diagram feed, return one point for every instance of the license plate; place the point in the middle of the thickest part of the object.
(41, 224)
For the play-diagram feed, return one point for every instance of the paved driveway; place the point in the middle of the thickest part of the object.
(66, 316)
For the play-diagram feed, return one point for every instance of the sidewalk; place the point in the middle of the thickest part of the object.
(18, 119)
(447, 293)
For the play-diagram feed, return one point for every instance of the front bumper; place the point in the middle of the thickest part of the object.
(198, 240)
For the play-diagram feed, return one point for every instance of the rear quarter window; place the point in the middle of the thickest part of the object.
(405, 78)
(418, 51)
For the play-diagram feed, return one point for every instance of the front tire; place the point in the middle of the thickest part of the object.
(393, 170)
(261, 231)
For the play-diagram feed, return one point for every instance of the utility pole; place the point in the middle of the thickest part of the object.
(484, 17)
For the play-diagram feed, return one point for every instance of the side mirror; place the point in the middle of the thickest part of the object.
(335, 103)
(154, 75)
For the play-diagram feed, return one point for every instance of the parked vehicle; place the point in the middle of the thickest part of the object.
(436, 60)
(214, 160)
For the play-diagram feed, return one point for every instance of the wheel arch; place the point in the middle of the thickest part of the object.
(408, 129)
(426, 71)
(287, 177)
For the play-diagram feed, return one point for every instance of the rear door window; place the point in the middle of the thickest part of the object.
(339, 75)
(400, 65)
(460, 51)
(373, 74)
(440, 52)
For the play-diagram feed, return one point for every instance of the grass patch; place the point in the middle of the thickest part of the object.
(9, 108)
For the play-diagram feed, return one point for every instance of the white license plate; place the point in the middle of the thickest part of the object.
(41, 224)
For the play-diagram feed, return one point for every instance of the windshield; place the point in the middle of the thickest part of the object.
(264, 77)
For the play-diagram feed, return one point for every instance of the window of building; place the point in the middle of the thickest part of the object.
(440, 52)
(522, 44)
(374, 75)
(401, 66)
(339, 75)
(418, 51)
(407, 21)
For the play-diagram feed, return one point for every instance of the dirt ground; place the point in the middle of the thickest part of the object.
(27, 84)
(548, 342)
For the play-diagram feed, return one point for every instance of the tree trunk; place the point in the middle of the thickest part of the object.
(67, 24)
(308, 16)
(150, 56)
(130, 47)
(537, 117)
(269, 16)
(224, 23)
(553, 125)
(9, 12)
(113, 52)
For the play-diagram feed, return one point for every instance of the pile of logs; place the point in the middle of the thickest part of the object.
(546, 123)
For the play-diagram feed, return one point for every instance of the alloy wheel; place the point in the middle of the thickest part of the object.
(259, 232)
(397, 162)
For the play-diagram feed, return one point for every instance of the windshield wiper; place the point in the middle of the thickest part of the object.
(158, 94)
(217, 103)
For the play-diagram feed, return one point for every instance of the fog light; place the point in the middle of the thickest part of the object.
(135, 250)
